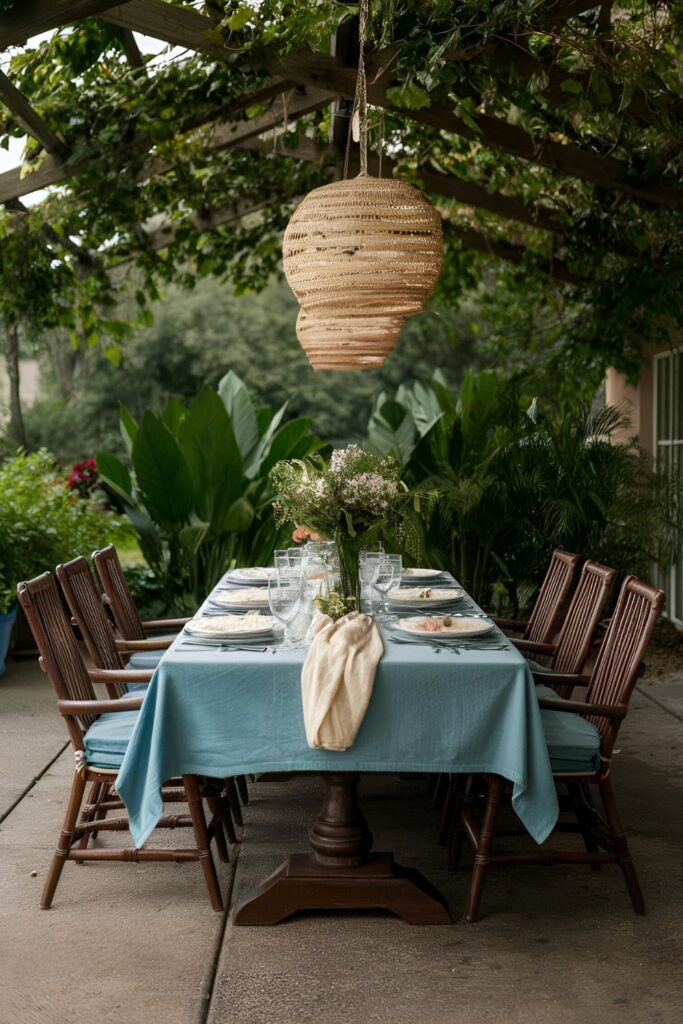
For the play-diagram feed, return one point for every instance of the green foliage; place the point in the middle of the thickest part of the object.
(198, 495)
(199, 335)
(43, 522)
(513, 482)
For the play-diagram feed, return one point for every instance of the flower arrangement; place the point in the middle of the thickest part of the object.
(353, 499)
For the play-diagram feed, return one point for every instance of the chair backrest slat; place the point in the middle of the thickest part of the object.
(586, 608)
(622, 650)
(128, 622)
(56, 642)
(553, 597)
(90, 615)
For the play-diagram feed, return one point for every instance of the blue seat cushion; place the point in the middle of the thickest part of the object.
(145, 659)
(107, 738)
(536, 666)
(573, 742)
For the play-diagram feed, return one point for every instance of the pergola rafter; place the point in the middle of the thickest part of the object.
(318, 80)
(29, 119)
(185, 28)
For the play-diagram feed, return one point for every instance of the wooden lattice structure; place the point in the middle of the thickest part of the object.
(305, 82)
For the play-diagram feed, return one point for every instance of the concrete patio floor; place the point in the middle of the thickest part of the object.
(139, 943)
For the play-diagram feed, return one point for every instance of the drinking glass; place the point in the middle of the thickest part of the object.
(386, 577)
(290, 559)
(284, 597)
(367, 563)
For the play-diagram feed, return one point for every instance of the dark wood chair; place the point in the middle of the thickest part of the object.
(117, 596)
(95, 626)
(109, 654)
(581, 737)
(99, 730)
(575, 642)
(551, 603)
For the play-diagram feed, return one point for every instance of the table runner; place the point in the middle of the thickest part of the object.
(219, 714)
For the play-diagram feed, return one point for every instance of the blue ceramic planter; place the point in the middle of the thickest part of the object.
(6, 623)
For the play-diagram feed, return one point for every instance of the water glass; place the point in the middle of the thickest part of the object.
(367, 563)
(284, 597)
(386, 577)
(290, 559)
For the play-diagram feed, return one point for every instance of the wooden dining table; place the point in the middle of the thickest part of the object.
(457, 708)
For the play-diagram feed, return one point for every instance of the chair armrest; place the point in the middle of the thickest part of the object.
(533, 646)
(162, 644)
(560, 679)
(124, 675)
(518, 624)
(582, 708)
(97, 707)
(166, 623)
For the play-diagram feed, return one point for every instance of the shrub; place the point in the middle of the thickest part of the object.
(44, 522)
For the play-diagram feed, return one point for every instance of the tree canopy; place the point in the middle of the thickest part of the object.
(548, 133)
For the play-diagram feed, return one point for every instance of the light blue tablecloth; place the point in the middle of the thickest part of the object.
(221, 714)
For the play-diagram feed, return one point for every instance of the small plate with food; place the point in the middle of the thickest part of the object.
(424, 597)
(445, 627)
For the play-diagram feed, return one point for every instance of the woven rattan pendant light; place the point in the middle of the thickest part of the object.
(360, 255)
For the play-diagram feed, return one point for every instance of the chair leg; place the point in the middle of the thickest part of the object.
(450, 809)
(468, 801)
(194, 801)
(94, 797)
(214, 806)
(483, 852)
(621, 850)
(583, 816)
(241, 783)
(440, 788)
(65, 838)
(235, 808)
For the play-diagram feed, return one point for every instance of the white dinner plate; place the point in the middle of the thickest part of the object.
(421, 574)
(461, 626)
(248, 598)
(230, 627)
(254, 576)
(424, 597)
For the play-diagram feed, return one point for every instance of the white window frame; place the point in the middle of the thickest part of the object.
(669, 577)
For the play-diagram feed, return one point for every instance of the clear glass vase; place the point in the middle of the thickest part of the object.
(348, 550)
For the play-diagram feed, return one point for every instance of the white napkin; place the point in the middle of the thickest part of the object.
(338, 677)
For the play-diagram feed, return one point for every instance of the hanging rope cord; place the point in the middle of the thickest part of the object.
(360, 101)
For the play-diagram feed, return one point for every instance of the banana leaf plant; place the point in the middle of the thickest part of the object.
(197, 490)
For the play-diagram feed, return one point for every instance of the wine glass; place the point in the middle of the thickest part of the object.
(284, 597)
(386, 577)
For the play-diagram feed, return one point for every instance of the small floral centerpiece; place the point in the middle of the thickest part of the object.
(354, 499)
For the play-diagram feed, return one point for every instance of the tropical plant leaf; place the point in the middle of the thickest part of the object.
(239, 407)
(162, 474)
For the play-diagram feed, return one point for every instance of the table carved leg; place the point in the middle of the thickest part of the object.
(341, 873)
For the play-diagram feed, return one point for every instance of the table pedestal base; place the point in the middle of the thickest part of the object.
(341, 873)
(303, 884)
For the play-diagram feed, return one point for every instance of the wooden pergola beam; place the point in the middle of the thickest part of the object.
(574, 161)
(20, 182)
(191, 29)
(178, 26)
(31, 17)
(29, 119)
(436, 183)
(479, 241)
(508, 55)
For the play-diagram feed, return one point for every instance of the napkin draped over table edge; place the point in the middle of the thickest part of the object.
(338, 677)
